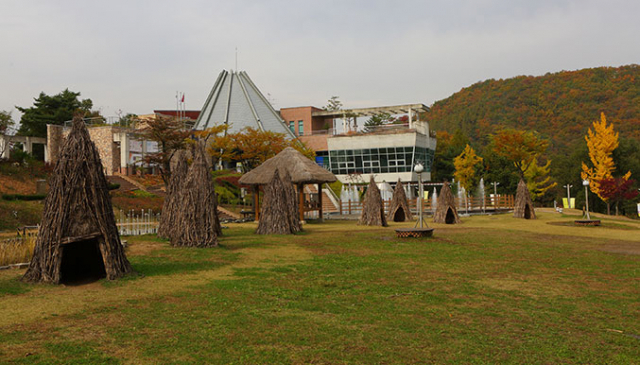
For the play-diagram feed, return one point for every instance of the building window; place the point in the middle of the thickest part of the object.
(379, 160)
(292, 126)
(301, 128)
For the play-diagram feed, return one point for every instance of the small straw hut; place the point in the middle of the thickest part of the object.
(446, 209)
(399, 210)
(197, 224)
(170, 208)
(301, 170)
(78, 240)
(280, 213)
(524, 206)
(372, 207)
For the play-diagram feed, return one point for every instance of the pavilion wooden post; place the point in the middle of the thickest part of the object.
(320, 201)
(301, 201)
(256, 202)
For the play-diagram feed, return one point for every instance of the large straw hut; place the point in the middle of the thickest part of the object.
(524, 206)
(280, 213)
(78, 240)
(301, 170)
(399, 210)
(171, 207)
(372, 207)
(446, 209)
(197, 224)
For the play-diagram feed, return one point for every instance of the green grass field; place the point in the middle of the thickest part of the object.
(491, 290)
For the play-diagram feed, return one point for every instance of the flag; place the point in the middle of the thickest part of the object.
(182, 100)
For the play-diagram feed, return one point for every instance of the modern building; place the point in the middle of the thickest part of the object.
(353, 153)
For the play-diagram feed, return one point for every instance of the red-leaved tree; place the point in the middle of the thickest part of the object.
(617, 190)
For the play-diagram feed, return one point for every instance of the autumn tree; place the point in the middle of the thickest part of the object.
(449, 146)
(170, 136)
(617, 190)
(252, 146)
(467, 164)
(538, 179)
(220, 145)
(522, 148)
(601, 142)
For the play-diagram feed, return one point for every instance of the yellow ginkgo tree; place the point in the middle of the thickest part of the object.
(601, 142)
(466, 164)
(538, 179)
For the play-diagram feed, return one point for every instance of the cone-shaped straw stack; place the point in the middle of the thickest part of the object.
(280, 207)
(78, 239)
(524, 206)
(170, 208)
(399, 209)
(446, 209)
(372, 207)
(197, 225)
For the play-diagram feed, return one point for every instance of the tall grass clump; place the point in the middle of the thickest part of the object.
(16, 250)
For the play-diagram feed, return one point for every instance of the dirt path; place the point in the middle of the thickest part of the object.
(46, 301)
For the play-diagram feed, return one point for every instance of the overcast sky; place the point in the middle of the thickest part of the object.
(134, 55)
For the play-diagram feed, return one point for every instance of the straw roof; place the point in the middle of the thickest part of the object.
(372, 207)
(280, 212)
(300, 168)
(399, 210)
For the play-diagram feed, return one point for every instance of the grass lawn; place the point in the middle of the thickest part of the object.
(491, 290)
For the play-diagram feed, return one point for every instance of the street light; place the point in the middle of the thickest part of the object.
(568, 195)
(585, 182)
(419, 168)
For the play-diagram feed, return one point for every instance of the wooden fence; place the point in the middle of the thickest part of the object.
(472, 205)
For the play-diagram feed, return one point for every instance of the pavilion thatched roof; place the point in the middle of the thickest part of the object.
(301, 169)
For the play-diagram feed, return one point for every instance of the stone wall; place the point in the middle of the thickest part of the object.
(55, 139)
(102, 137)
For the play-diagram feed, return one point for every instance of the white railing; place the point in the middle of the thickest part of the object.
(137, 222)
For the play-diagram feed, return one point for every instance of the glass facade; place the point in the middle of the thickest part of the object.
(379, 160)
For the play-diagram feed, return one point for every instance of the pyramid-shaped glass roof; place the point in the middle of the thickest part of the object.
(235, 100)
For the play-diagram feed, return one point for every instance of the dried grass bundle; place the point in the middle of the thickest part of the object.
(523, 206)
(446, 211)
(399, 210)
(280, 207)
(372, 207)
(170, 208)
(197, 223)
(78, 233)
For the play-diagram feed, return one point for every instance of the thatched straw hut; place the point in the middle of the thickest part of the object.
(197, 224)
(399, 210)
(78, 240)
(524, 206)
(446, 209)
(170, 208)
(280, 213)
(372, 207)
(300, 169)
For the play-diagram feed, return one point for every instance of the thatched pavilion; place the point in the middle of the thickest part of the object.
(372, 207)
(78, 240)
(301, 169)
(446, 211)
(524, 206)
(399, 210)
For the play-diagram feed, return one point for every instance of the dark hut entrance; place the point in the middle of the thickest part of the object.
(527, 212)
(81, 262)
(450, 217)
(399, 216)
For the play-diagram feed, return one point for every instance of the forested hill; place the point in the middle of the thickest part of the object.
(560, 106)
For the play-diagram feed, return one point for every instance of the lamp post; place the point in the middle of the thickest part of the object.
(568, 195)
(418, 169)
(585, 182)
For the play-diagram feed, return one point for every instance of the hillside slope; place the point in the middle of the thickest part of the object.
(560, 106)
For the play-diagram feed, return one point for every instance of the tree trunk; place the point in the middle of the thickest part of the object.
(608, 208)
